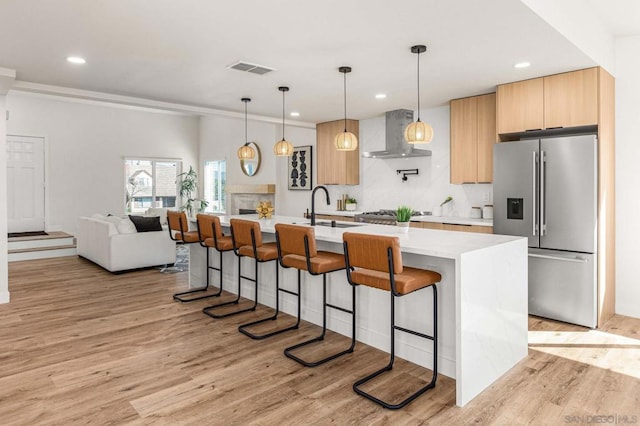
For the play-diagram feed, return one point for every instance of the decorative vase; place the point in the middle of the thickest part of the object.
(403, 226)
(350, 206)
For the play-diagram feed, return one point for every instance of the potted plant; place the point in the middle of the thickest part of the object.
(189, 188)
(403, 216)
(350, 204)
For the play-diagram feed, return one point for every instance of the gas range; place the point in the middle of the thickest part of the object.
(383, 216)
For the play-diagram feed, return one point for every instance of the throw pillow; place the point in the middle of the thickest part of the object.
(146, 224)
(125, 226)
(157, 211)
(113, 219)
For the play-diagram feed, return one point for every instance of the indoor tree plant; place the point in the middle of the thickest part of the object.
(188, 190)
(403, 216)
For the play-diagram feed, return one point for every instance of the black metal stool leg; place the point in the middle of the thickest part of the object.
(209, 309)
(243, 328)
(389, 366)
(288, 351)
(178, 296)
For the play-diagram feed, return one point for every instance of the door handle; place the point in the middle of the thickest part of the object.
(533, 180)
(543, 218)
(562, 259)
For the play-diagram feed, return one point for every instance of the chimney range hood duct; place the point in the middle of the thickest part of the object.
(395, 145)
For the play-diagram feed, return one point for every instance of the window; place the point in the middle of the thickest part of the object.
(150, 183)
(215, 178)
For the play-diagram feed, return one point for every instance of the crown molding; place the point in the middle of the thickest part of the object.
(130, 102)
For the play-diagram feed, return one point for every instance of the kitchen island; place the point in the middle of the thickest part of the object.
(482, 312)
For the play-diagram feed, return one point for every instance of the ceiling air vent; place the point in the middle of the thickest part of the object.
(252, 68)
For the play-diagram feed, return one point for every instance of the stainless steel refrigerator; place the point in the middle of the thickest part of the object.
(546, 190)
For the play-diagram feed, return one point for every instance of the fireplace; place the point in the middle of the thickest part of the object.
(243, 199)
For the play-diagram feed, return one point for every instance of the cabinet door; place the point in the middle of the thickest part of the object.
(336, 167)
(432, 225)
(464, 137)
(520, 106)
(486, 136)
(571, 99)
(467, 228)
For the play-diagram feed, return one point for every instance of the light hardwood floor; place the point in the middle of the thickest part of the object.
(79, 345)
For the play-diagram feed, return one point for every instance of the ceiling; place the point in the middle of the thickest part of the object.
(179, 51)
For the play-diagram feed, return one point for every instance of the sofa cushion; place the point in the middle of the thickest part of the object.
(126, 226)
(157, 211)
(146, 224)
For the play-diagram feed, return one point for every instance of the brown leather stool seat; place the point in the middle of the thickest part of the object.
(376, 261)
(297, 249)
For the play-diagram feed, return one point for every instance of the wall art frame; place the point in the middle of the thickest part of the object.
(300, 175)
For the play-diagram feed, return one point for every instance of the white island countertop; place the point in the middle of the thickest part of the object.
(482, 297)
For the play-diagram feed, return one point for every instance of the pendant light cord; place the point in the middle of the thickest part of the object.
(418, 86)
(246, 141)
(283, 115)
(345, 102)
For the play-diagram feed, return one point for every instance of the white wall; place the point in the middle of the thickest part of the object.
(220, 138)
(85, 144)
(4, 275)
(382, 188)
(627, 176)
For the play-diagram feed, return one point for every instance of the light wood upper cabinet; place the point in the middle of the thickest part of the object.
(571, 99)
(562, 100)
(520, 106)
(473, 133)
(336, 167)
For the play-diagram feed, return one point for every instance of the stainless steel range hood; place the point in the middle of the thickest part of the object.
(395, 145)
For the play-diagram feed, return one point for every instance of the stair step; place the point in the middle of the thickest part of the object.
(42, 252)
(41, 243)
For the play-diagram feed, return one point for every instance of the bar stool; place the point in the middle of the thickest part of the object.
(179, 231)
(209, 236)
(297, 249)
(379, 265)
(247, 242)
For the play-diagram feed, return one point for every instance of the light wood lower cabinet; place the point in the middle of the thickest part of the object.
(460, 228)
(335, 217)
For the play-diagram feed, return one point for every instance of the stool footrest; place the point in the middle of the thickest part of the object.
(284, 290)
(415, 333)
(329, 305)
(179, 298)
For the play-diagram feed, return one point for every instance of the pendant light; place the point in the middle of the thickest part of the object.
(418, 132)
(284, 147)
(346, 141)
(246, 152)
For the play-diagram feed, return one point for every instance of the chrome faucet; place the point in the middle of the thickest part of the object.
(313, 202)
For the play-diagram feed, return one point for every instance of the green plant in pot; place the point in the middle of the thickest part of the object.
(403, 217)
(350, 204)
(188, 182)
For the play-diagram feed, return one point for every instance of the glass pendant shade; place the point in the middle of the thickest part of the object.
(346, 141)
(418, 132)
(246, 153)
(283, 148)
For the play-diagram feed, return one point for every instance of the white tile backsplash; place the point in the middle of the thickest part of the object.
(382, 188)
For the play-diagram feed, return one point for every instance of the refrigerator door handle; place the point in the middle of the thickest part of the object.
(534, 223)
(575, 259)
(543, 219)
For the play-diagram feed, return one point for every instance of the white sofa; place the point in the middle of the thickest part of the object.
(100, 241)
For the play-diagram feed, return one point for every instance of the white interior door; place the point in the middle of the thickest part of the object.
(25, 180)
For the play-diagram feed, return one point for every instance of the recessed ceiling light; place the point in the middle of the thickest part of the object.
(522, 65)
(295, 114)
(76, 60)
(381, 96)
